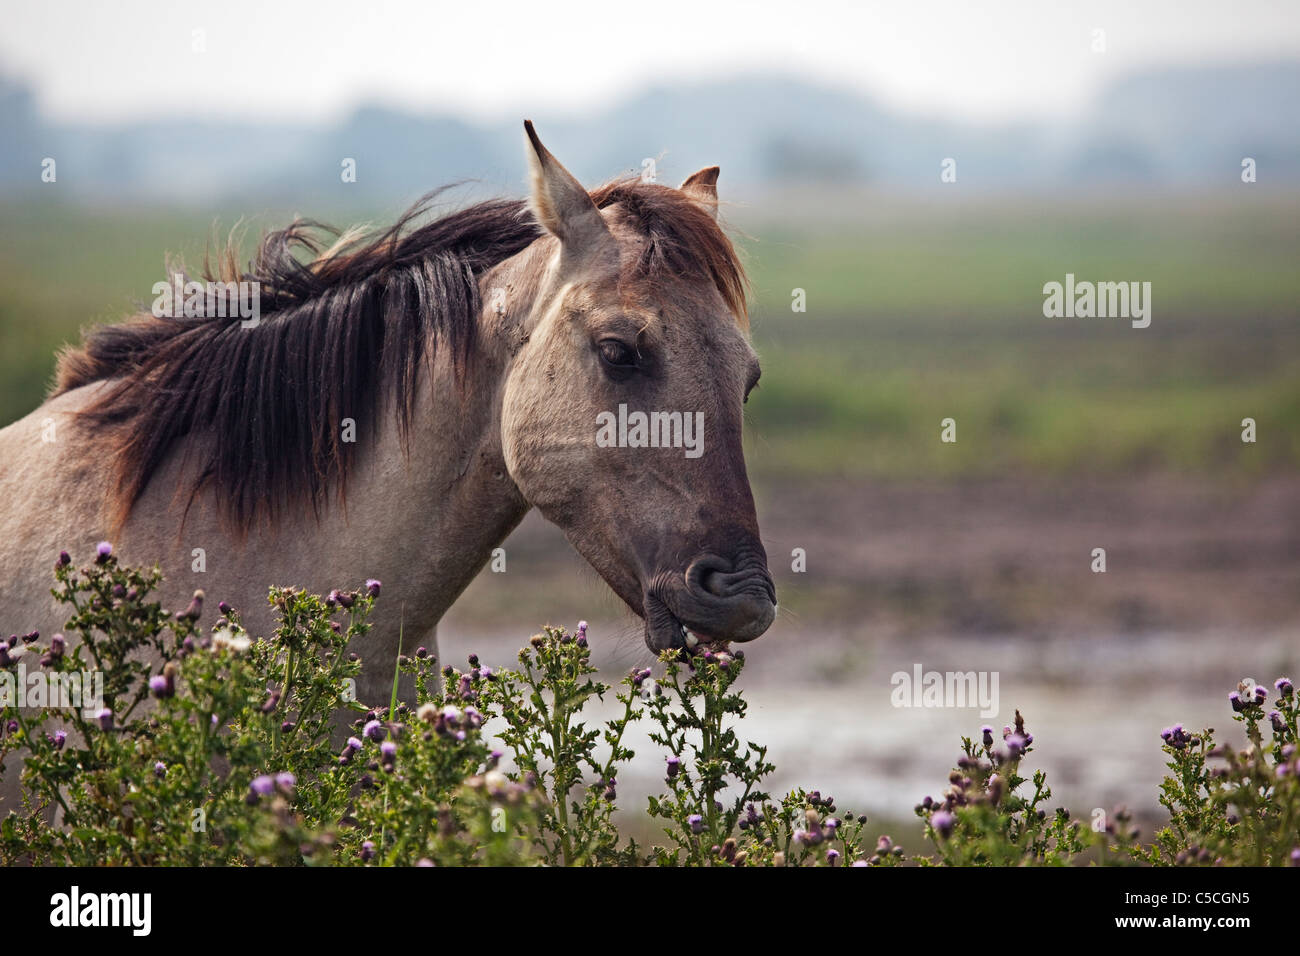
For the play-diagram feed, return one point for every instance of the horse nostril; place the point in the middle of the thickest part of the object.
(708, 575)
(726, 601)
(712, 576)
(714, 582)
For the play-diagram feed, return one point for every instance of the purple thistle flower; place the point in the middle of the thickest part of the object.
(1261, 693)
(105, 718)
(388, 750)
(987, 731)
(286, 782)
(374, 730)
(1015, 745)
(696, 823)
(943, 822)
(64, 559)
(674, 767)
(103, 551)
(161, 686)
(1275, 718)
(367, 851)
(1284, 686)
(832, 856)
(60, 738)
(262, 786)
(373, 585)
(160, 770)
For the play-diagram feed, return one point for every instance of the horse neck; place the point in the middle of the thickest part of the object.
(451, 500)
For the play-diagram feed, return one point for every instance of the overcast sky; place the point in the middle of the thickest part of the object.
(488, 60)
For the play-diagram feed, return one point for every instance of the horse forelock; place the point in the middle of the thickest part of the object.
(682, 239)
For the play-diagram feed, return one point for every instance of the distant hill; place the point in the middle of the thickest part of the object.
(1182, 126)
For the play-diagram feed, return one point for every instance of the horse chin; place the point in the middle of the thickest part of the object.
(664, 631)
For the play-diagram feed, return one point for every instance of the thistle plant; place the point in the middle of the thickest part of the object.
(1234, 805)
(556, 751)
(988, 816)
(165, 771)
(715, 811)
(207, 745)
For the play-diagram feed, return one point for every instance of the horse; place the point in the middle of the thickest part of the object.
(402, 401)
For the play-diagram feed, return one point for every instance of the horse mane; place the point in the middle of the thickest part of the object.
(346, 319)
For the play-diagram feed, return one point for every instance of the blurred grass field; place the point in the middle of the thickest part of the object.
(916, 311)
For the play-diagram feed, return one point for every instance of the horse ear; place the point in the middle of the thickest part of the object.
(703, 188)
(560, 203)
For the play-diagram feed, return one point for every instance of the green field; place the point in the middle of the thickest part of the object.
(916, 312)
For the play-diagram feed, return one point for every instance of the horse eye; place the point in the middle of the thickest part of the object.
(617, 354)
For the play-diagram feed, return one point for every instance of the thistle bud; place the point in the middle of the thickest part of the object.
(194, 611)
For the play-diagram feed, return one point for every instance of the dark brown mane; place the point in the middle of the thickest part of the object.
(342, 319)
